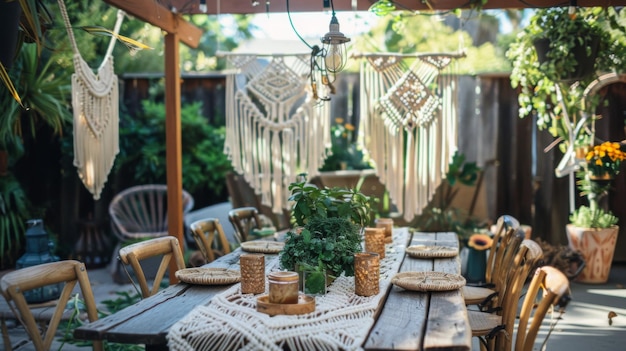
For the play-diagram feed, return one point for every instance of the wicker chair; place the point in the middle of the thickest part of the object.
(140, 212)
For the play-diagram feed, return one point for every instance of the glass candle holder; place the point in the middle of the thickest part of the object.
(252, 267)
(387, 224)
(375, 241)
(366, 273)
(283, 287)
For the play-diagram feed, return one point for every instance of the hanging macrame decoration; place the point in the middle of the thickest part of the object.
(275, 128)
(95, 103)
(408, 104)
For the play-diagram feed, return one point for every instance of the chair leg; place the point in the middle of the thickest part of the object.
(5, 335)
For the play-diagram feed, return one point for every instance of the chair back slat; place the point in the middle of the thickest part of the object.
(210, 238)
(66, 272)
(244, 219)
(526, 258)
(167, 247)
(555, 286)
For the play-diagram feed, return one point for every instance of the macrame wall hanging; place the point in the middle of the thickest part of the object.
(95, 103)
(408, 104)
(275, 128)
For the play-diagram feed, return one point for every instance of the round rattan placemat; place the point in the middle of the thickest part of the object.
(208, 276)
(428, 281)
(428, 251)
(262, 246)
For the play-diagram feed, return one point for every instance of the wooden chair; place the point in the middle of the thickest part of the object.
(68, 273)
(506, 241)
(495, 329)
(133, 254)
(244, 219)
(140, 212)
(210, 238)
(555, 286)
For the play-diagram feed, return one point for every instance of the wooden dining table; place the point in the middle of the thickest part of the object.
(403, 319)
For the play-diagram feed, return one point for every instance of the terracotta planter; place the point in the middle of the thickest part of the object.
(597, 247)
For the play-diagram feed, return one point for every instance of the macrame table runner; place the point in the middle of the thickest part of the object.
(341, 320)
(95, 101)
(408, 104)
(275, 130)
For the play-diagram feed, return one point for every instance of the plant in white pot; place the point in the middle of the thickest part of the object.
(593, 230)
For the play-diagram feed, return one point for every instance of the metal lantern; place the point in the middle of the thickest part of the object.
(38, 250)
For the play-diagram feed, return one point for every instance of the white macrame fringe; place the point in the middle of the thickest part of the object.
(341, 320)
(274, 129)
(410, 127)
(95, 102)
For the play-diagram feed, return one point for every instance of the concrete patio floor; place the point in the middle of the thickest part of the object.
(584, 326)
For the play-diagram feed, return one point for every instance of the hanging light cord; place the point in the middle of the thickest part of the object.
(294, 28)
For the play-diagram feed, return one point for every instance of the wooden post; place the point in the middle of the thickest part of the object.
(173, 143)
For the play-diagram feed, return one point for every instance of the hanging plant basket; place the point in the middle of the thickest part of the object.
(585, 59)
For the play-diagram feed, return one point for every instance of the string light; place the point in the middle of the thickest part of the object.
(335, 52)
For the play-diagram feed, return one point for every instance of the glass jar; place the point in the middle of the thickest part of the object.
(283, 287)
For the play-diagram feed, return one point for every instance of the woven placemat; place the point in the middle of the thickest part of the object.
(428, 281)
(428, 251)
(262, 246)
(208, 276)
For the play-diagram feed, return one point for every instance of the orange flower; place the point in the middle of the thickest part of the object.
(480, 242)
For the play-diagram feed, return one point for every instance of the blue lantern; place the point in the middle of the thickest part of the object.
(38, 250)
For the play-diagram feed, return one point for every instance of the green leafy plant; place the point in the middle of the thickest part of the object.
(546, 82)
(327, 243)
(143, 149)
(14, 211)
(587, 217)
(312, 202)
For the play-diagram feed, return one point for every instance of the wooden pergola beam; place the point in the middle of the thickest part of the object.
(245, 6)
(160, 16)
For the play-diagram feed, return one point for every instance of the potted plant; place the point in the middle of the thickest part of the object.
(324, 248)
(593, 230)
(554, 59)
(327, 224)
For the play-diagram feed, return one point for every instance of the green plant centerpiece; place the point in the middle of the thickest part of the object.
(326, 231)
(554, 59)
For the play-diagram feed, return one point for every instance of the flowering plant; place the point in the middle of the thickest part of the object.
(602, 164)
(605, 159)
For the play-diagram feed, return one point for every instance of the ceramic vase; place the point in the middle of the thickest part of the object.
(476, 265)
(597, 247)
